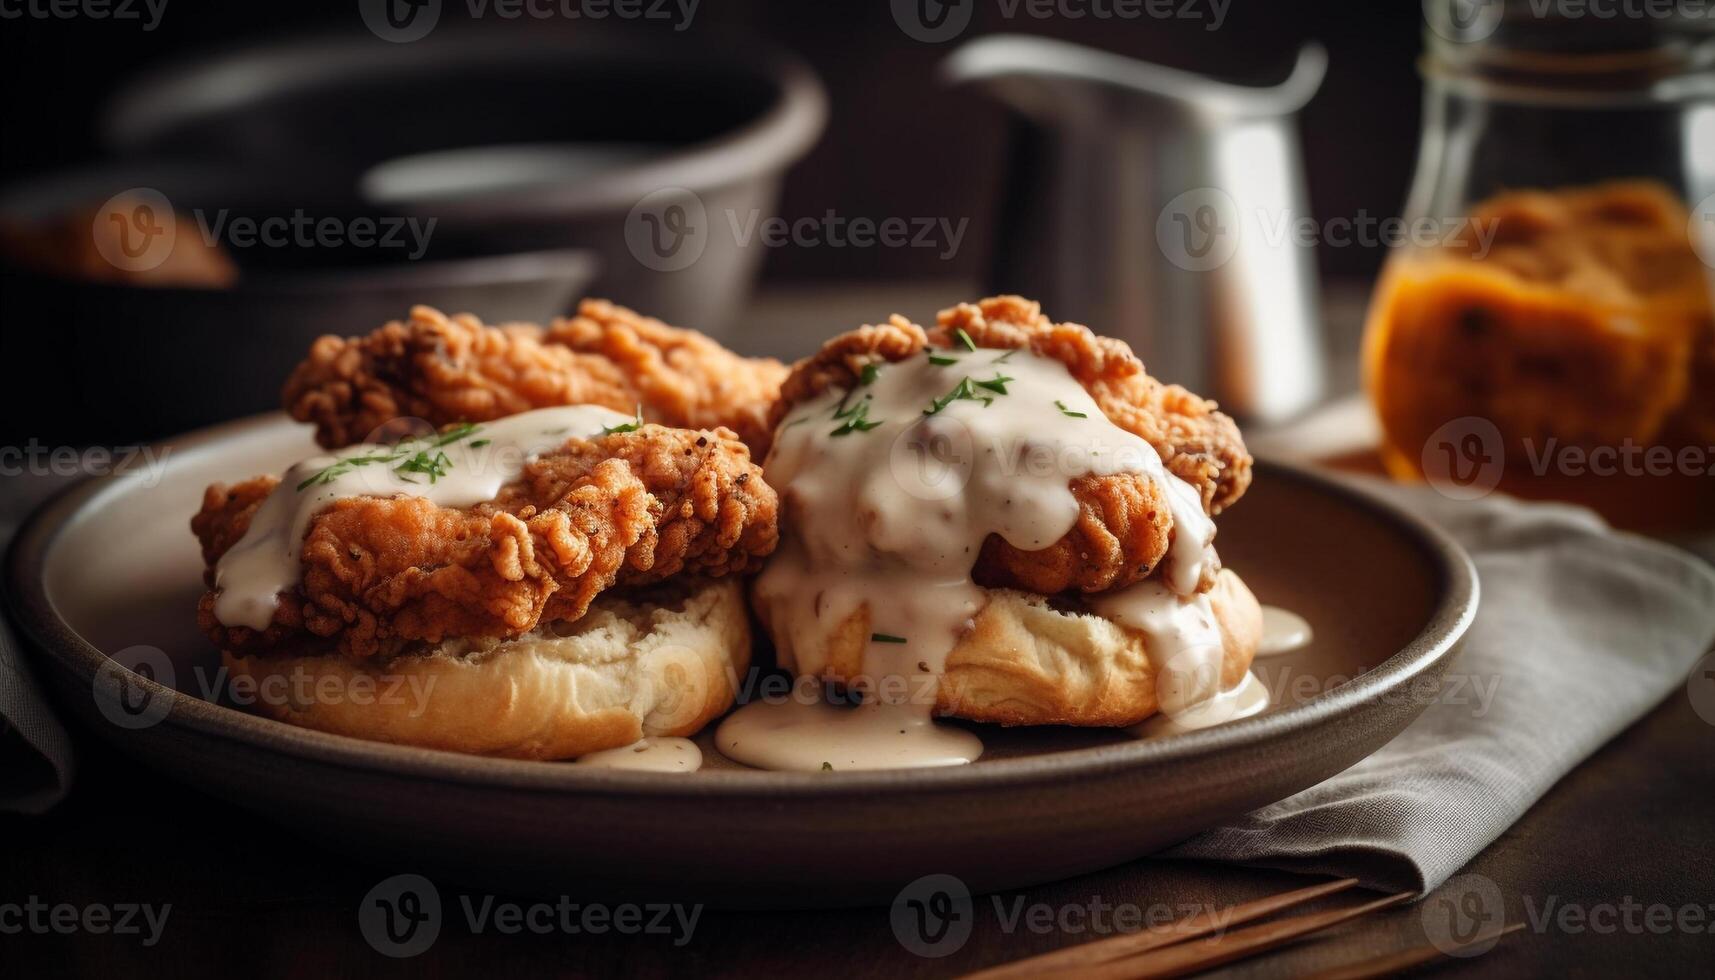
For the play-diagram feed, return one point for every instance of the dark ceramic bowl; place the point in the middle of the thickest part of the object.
(112, 362)
(518, 141)
(111, 567)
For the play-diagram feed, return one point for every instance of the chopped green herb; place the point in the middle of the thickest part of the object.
(1068, 412)
(631, 426)
(941, 359)
(967, 389)
(856, 420)
(842, 410)
(1002, 358)
(886, 638)
(868, 374)
(480, 443)
(408, 456)
(800, 420)
(965, 338)
(454, 434)
(434, 467)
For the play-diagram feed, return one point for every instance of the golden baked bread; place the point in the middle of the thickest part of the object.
(1031, 660)
(665, 662)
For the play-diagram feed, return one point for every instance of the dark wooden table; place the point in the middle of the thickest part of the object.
(1628, 832)
(1632, 825)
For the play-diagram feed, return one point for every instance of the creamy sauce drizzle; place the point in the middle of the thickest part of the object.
(1283, 631)
(264, 562)
(811, 736)
(1248, 697)
(887, 507)
(656, 753)
(1185, 645)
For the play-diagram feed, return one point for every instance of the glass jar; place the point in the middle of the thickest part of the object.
(1547, 328)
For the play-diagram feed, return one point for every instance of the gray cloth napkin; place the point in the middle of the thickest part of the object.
(35, 753)
(1579, 632)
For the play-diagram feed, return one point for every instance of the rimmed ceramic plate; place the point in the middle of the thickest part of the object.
(111, 567)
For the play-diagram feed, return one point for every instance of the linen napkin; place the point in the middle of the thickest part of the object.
(1580, 631)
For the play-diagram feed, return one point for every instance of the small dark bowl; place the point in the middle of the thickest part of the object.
(557, 139)
(114, 363)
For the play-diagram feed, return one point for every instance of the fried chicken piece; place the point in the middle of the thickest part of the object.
(681, 377)
(455, 369)
(1121, 535)
(1125, 525)
(380, 575)
(1197, 443)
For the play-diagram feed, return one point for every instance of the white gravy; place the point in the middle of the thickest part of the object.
(887, 506)
(811, 736)
(662, 753)
(1248, 697)
(451, 471)
(1185, 645)
(1282, 631)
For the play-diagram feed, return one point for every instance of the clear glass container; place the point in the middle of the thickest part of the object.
(1548, 323)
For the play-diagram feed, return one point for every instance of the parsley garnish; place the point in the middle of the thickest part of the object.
(940, 359)
(631, 426)
(869, 373)
(886, 638)
(1068, 412)
(1002, 358)
(409, 456)
(965, 338)
(964, 389)
(843, 410)
(480, 443)
(996, 384)
(856, 420)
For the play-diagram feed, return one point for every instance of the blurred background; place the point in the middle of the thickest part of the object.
(897, 142)
(1498, 216)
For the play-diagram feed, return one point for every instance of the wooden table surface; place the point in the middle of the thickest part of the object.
(1628, 832)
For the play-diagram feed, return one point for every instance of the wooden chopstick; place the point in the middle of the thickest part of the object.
(1179, 960)
(1391, 963)
(1196, 924)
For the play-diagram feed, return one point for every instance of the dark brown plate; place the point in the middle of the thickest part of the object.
(111, 566)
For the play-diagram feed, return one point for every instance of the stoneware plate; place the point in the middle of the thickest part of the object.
(108, 575)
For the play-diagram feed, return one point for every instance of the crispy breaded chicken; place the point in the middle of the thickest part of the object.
(1198, 444)
(681, 377)
(380, 575)
(444, 369)
(1124, 526)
